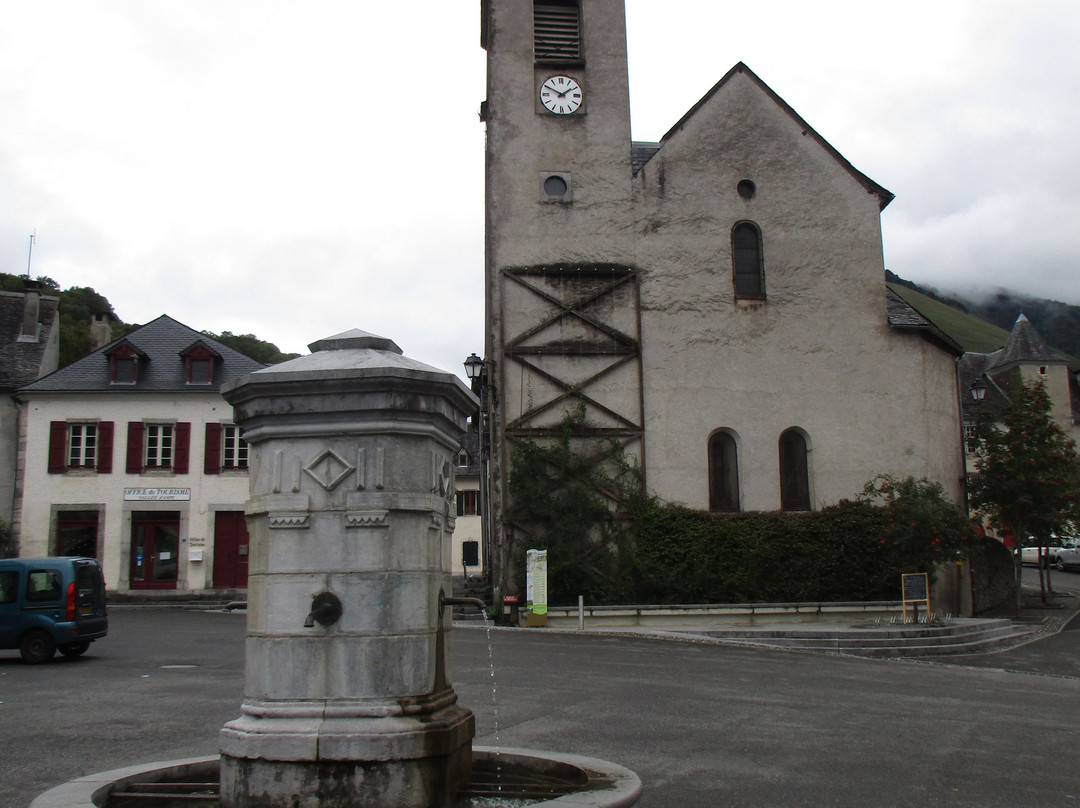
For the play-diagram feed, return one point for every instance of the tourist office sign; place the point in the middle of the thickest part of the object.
(157, 494)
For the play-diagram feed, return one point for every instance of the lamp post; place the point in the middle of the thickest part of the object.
(476, 369)
(978, 389)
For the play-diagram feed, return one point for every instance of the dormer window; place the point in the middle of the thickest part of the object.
(124, 370)
(124, 363)
(199, 363)
(199, 371)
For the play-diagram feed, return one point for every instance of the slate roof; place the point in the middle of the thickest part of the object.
(1025, 344)
(161, 371)
(904, 316)
(470, 442)
(20, 362)
(641, 153)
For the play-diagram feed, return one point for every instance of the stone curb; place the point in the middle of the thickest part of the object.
(622, 787)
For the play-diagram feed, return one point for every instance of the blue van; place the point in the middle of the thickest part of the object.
(51, 604)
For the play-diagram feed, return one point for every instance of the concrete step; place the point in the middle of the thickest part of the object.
(957, 637)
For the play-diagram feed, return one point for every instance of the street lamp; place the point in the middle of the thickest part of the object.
(474, 367)
(978, 390)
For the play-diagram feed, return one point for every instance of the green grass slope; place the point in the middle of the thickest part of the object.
(972, 333)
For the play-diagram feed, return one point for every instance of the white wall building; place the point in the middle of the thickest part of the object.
(129, 455)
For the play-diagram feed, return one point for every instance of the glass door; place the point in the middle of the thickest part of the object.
(155, 546)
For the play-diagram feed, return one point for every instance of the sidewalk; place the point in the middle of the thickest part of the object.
(862, 635)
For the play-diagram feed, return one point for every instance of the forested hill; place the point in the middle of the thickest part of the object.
(1058, 322)
(78, 304)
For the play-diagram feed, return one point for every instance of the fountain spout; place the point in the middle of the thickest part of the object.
(325, 610)
(445, 601)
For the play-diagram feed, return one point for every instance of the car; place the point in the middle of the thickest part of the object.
(1032, 554)
(1067, 557)
(51, 604)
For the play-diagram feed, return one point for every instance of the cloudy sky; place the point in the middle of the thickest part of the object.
(296, 168)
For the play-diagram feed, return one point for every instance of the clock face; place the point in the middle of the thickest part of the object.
(561, 95)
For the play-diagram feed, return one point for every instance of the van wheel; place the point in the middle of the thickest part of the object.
(37, 646)
(75, 649)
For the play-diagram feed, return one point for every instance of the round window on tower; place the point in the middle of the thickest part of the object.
(746, 189)
(555, 186)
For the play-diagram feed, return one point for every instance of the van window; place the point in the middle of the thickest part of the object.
(88, 581)
(43, 585)
(9, 586)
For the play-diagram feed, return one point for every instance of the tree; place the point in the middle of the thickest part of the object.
(1028, 472)
(921, 522)
(78, 305)
(250, 345)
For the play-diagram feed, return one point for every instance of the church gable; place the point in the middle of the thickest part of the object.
(741, 127)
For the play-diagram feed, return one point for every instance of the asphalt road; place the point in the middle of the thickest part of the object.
(702, 724)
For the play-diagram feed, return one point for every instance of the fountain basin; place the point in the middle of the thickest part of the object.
(502, 778)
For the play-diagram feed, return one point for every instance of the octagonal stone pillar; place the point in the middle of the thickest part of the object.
(351, 455)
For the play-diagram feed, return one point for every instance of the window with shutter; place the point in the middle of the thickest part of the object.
(212, 450)
(80, 446)
(136, 430)
(158, 447)
(57, 447)
(105, 447)
(556, 31)
(181, 448)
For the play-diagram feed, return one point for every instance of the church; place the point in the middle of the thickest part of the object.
(715, 301)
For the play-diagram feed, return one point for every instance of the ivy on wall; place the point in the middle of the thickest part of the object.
(580, 499)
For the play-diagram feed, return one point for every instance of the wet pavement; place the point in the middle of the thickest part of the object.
(703, 724)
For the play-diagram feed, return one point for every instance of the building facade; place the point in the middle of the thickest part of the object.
(29, 349)
(714, 301)
(468, 542)
(130, 456)
(1026, 357)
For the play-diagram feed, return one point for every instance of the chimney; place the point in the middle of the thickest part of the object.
(100, 330)
(30, 328)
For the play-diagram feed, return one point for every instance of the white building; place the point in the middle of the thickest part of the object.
(129, 455)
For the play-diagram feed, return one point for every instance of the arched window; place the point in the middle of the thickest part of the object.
(794, 472)
(723, 472)
(748, 266)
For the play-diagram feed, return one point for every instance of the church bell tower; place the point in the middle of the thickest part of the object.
(562, 320)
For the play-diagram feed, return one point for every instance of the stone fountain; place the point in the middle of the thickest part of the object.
(347, 695)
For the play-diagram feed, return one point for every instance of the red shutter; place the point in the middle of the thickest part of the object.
(104, 447)
(182, 454)
(57, 447)
(212, 456)
(136, 432)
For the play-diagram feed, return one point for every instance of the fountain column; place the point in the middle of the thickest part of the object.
(347, 700)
